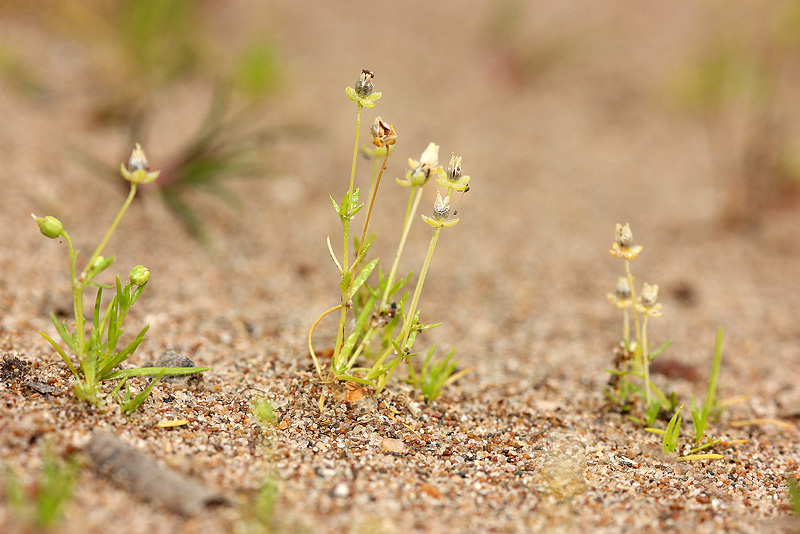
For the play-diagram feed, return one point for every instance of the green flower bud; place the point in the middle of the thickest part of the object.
(49, 226)
(139, 275)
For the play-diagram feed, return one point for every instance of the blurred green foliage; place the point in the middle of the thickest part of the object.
(741, 84)
(136, 50)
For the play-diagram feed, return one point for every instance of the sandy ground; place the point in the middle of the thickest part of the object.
(566, 125)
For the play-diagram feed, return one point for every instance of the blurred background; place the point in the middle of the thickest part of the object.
(681, 119)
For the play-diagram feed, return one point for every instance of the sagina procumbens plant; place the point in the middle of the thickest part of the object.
(632, 358)
(96, 350)
(386, 318)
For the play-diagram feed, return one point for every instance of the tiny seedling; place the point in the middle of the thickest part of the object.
(671, 435)
(710, 407)
(43, 505)
(97, 353)
(435, 375)
(387, 319)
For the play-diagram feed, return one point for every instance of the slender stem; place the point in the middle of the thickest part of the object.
(626, 328)
(409, 316)
(110, 231)
(77, 303)
(346, 247)
(646, 362)
(411, 209)
(355, 147)
(635, 312)
(311, 334)
(372, 203)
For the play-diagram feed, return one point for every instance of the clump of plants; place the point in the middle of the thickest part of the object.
(630, 378)
(385, 315)
(97, 349)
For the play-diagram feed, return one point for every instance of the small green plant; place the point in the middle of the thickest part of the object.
(97, 352)
(635, 357)
(793, 492)
(42, 506)
(671, 435)
(669, 443)
(257, 512)
(710, 408)
(386, 320)
(435, 375)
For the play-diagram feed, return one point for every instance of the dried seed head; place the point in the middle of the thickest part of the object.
(624, 235)
(441, 207)
(649, 295)
(364, 85)
(454, 168)
(420, 171)
(623, 246)
(452, 177)
(138, 161)
(441, 212)
(623, 289)
(138, 168)
(383, 133)
(430, 156)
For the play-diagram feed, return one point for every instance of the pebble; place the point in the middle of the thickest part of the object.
(392, 445)
(170, 358)
(341, 490)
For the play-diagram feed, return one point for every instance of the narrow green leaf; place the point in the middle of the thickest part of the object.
(61, 328)
(122, 355)
(362, 277)
(351, 378)
(146, 371)
(132, 404)
(62, 354)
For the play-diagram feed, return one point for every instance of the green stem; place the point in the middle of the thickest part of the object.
(110, 231)
(408, 316)
(646, 362)
(77, 303)
(355, 148)
(418, 290)
(711, 394)
(411, 209)
(372, 203)
(346, 233)
(635, 312)
(626, 328)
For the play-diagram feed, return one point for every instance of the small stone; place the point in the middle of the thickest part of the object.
(355, 394)
(41, 387)
(170, 358)
(341, 490)
(430, 490)
(283, 425)
(392, 445)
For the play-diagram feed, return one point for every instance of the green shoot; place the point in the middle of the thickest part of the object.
(794, 494)
(710, 407)
(43, 506)
(434, 375)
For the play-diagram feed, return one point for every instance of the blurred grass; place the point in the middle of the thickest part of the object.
(137, 50)
(739, 85)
